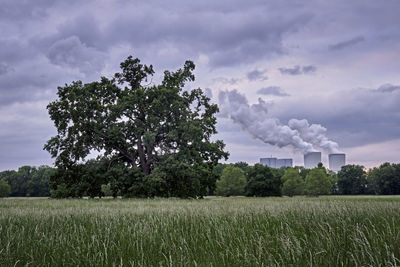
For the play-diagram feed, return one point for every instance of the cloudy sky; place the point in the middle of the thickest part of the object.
(334, 63)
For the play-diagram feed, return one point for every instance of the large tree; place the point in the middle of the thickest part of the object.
(131, 121)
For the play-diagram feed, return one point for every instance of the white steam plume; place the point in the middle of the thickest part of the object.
(298, 134)
(314, 134)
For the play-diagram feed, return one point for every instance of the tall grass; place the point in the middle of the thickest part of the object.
(211, 232)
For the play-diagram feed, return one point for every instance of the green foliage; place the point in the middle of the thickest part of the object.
(92, 177)
(242, 165)
(232, 182)
(88, 179)
(18, 180)
(106, 189)
(127, 181)
(5, 189)
(67, 182)
(333, 180)
(137, 125)
(302, 171)
(28, 181)
(317, 182)
(219, 168)
(384, 180)
(293, 184)
(177, 178)
(278, 172)
(352, 180)
(38, 184)
(261, 182)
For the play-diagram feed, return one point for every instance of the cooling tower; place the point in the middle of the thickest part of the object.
(270, 162)
(336, 161)
(284, 163)
(312, 159)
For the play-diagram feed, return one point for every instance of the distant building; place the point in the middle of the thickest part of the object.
(312, 159)
(284, 163)
(336, 161)
(270, 162)
(276, 163)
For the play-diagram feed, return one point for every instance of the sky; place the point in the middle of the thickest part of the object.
(334, 63)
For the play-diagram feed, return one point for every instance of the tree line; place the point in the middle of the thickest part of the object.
(27, 181)
(238, 179)
(96, 179)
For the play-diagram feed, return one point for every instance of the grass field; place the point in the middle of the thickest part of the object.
(324, 231)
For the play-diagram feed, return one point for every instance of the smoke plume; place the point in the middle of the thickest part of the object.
(298, 134)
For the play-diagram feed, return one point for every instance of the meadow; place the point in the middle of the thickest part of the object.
(299, 231)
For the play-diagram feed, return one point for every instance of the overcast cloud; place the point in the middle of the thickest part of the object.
(344, 44)
(272, 90)
(257, 75)
(338, 62)
(297, 70)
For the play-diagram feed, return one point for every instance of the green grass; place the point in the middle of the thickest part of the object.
(325, 231)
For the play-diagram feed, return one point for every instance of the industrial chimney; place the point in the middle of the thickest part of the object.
(312, 159)
(336, 161)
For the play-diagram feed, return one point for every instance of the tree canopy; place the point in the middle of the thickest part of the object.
(385, 179)
(138, 125)
(232, 182)
(28, 181)
(352, 180)
(261, 182)
(317, 182)
(293, 184)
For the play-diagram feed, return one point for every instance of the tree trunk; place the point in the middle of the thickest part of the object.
(142, 156)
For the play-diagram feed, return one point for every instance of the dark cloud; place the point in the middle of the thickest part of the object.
(23, 13)
(309, 69)
(47, 43)
(14, 51)
(257, 75)
(86, 28)
(388, 88)
(26, 81)
(237, 36)
(347, 43)
(298, 70)
(71, 52)
(22, 9)
(272, 90)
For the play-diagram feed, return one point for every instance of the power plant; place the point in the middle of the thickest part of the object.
(336, 161)
(276, 163)
(312, 159)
